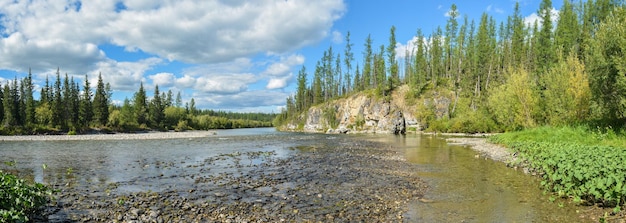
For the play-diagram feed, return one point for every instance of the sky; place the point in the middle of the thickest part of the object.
(231, 55)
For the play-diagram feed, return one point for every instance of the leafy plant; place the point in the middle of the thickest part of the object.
(573, 165)
(20, 200)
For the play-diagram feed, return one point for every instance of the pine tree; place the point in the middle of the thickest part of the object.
(421, 62)
(179, 100)
(301, 91)
(450, 39)
(58, 107)
(394, 75)
(156, 109)
(367, 64)
(86, 109)
(517, 38)
(101, 103)
(29, 101)
(140, 105)
(567, 29)
(318, 94)
(9, 117)
(348, 58)
(545, 55)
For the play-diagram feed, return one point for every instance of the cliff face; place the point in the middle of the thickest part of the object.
(361, 113)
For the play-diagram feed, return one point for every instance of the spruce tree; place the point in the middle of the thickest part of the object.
(86, 109)
(140, 105)
(101, 103)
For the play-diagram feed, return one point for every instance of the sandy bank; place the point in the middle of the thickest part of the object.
(116, 136)
(490, 150)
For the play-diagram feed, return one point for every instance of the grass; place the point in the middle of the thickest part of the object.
(581, 135)
(586, 164)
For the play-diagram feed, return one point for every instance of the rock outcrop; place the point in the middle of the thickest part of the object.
(365, 113)
(360, 113)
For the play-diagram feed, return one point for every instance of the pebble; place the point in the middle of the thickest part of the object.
(330, 184)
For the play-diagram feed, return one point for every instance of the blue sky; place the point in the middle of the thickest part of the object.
(233, 55)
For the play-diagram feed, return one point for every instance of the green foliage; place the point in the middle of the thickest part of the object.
(330, 114)
(607, 64)
(567, 95)
(515, 103)
(20, 200)
(574, 161)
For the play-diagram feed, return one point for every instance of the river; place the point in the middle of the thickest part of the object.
(461, 187)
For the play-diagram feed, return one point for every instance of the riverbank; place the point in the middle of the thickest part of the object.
(337, 179)
(486, 149)
(114, 136)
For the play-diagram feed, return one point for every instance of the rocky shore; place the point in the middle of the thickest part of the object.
(486, 149)
(348, 180)
(115, 136)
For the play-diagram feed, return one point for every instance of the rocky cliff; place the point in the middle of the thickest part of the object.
(365, 113)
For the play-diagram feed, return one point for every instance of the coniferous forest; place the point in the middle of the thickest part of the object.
(564, 69)
(66, 106)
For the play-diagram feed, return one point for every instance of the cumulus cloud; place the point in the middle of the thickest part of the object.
(214, 31)
(124, 76)
(45, 33)
(248, 99)
(534, 17)
(279, 72)
(163, 79)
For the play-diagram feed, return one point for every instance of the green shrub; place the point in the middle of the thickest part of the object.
(20, 200)
(574, 162)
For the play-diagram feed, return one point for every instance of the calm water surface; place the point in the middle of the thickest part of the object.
(462, 187)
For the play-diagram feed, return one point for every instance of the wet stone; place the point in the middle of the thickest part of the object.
(332, 183)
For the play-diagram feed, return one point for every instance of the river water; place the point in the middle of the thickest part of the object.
(462, 188)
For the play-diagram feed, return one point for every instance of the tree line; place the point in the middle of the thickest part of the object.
(66, 106)
(499, 76)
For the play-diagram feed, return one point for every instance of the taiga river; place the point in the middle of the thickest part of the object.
(280, 176)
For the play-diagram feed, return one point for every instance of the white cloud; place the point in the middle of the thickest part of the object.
(410, 45)
(124, 76)
(279, 73)
(278, 83)
(220, 35)
(337, 37)
(534, 17)
(247, 99)
(163, 79)
(213, 31)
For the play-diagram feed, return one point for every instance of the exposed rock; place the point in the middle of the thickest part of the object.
(363, 113)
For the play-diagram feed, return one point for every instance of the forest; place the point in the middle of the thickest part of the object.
(66, 107)
(565, 69)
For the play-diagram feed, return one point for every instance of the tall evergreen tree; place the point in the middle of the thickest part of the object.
(29, 101)
(391, 59)
(567, 29)
(348, 58)
(450, 39)
(86, 108)
(101, 103)
(140, 105)
(58, 107)
(7, 100)
(179, 100)
(545, 55)
(156, 109)
(367, 63)
(301, 90)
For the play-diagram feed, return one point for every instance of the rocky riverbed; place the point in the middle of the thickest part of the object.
(346, 181)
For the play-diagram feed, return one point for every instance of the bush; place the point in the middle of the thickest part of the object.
(574, 161)
(19, 200)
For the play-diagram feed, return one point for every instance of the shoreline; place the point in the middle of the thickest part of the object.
(486, 149)
(115, 136)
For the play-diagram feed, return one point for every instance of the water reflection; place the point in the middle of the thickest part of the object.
(464, 188)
